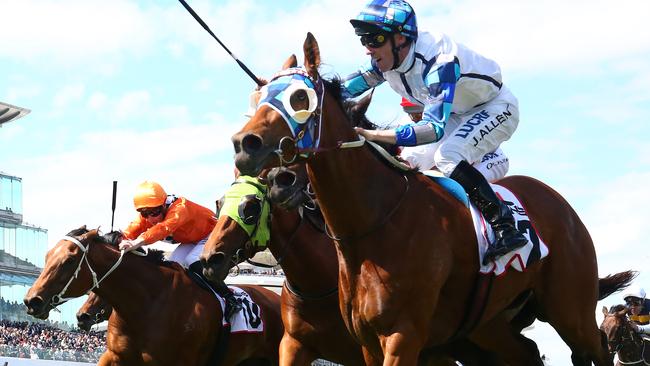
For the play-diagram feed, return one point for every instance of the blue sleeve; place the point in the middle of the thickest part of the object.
(441, 83)
(367, 77)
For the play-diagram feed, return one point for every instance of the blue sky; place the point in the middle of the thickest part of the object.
(134, 90)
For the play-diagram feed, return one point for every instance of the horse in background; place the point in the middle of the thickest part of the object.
(160, 315)
(408, 257)
(622, 339)
(93, 311)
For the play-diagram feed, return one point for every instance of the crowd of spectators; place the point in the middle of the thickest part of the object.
(42, 341)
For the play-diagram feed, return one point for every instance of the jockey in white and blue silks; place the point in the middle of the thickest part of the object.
(468, 112)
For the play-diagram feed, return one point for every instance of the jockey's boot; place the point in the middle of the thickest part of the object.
(232, 305)
(220, 287)
(497, 213)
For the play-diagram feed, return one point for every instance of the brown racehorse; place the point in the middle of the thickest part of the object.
(160, 315)
(623, 339)
(93, 311)
(313, 324)
(407, 253)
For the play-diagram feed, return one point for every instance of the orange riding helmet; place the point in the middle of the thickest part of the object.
(149, 194)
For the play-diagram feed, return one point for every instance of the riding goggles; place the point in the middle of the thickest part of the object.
(374, 40)
(634, 302)
(152, 212)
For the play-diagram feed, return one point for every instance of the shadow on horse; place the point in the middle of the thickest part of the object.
(622, 339)
(408, 259)
(160, 315)
(93, 311)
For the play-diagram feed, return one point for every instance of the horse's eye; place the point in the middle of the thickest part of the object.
(250, 209)
(299, 100)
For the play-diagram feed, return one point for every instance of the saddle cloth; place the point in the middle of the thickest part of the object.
(519, 259)
(246, 320)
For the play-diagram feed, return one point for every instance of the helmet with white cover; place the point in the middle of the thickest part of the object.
(634, 291)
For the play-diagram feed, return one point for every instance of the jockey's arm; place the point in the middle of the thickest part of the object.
(645, 329)
(367, 77)
(441, 82)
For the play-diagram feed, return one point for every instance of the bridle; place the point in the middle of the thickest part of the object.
(58, 299)
(626, 336)
(311, 126)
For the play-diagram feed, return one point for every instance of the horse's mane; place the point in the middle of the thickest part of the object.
(114, 238)
(616, 308)
(356, 115)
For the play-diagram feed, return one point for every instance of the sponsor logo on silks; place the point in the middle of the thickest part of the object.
(493, 164)
(489, 156)
(487, 127)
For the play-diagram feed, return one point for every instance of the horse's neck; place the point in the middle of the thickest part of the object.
(355, 190)
(132, 287)
(308, 256)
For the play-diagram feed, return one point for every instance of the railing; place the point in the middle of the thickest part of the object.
(49, 353)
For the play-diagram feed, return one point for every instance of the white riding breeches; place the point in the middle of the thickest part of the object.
(186, 254)
(474, 137)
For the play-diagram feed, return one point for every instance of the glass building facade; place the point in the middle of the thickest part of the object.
(22, 257)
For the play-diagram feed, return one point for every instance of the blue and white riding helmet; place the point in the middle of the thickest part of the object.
(390, 16)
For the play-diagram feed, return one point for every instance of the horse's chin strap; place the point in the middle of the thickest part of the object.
(59, 299)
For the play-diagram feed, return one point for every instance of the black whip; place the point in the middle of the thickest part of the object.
(113, 206)
(205, 26)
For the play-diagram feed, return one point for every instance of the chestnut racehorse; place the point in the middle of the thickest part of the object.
(160, 315)
(407, 251)
(622, 339)
(313, 324)
(93, 311)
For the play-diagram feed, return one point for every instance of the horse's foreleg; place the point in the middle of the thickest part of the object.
(401, 348)
(369, 358)
(292, 352)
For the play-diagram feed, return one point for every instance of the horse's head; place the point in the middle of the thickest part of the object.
(617, 328)
(243, 228)
(289, 186)
(95, 310)
(289, 116)
(64, 275)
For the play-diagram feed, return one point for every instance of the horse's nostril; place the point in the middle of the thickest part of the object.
(35, 302)
(216, 259)
(251, 143)
(83, 317)
(285, 179)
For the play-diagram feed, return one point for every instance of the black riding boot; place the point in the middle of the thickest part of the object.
(497, 213)
(232, 305)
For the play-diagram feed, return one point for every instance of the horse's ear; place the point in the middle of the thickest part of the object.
(312, 56)
(621, 313)
(292, 61)
(605, 310)
(362, 105)
(91, 234)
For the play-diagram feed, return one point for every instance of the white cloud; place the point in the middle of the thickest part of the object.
(67, 95)
(72, 32)
(97, 101)
(68, 189)
(133, 103)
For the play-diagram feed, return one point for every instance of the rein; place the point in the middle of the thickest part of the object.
(59, 299)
